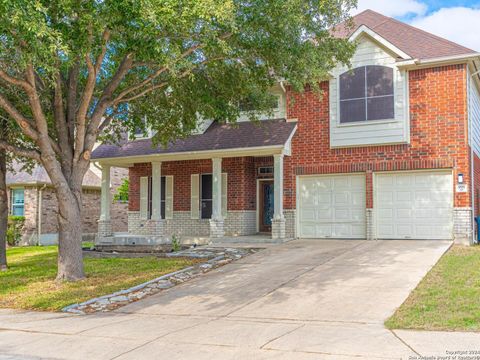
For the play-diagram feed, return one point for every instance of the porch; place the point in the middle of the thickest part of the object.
(208, 196)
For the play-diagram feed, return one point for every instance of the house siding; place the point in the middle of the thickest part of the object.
(375, 132)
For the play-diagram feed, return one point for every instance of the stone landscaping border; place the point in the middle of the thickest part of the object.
(218, 257)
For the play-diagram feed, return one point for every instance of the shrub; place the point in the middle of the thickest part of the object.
(14, 229)
(122, 192)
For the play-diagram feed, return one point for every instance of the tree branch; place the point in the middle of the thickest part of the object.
(31, 154)
(61, 125)
(83, 108)
(99, 61)
(22, 121)
(14, 81)
(160, 71)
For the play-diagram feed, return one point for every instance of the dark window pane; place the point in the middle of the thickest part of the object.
(379, 81)
(381, 108)
(163, 196)
(352, 84)
(352, 111)
(206, 187)
(163, 184)
(206, 209)
(162, 209)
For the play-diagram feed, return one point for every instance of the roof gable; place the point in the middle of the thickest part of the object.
(410, 40)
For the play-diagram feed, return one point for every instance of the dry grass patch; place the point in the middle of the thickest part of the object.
(448, 298)
(30, 281)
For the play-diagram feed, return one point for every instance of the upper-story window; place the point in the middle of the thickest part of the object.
(366, 93)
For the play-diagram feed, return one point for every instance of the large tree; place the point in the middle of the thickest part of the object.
(81, 68)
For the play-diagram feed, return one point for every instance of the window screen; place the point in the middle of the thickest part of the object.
(18, 202)
(206, 196)
(366, 93)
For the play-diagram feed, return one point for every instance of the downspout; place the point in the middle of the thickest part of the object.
(39, 213)
(472, 161)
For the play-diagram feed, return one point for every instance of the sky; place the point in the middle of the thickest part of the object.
(456, 20)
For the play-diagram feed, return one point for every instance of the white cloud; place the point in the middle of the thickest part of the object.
(458, 24)
(393, 8)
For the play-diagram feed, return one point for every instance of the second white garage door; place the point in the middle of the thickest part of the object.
(332, 207)
(414, 205)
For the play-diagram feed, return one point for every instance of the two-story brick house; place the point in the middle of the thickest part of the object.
(390, 150)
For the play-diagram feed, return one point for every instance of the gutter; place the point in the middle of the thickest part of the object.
(437, 60)
(39, 213)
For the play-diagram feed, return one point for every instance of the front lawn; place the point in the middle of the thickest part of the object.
(448, 298)
(30, 283)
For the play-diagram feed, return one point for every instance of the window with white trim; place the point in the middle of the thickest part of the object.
(367, 94)
(18, 202)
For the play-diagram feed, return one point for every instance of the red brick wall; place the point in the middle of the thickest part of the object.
(438, 134)
(241, 181)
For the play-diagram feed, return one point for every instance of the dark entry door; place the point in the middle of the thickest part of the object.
(266, 206)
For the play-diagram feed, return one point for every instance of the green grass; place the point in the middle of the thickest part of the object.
(30, 282)
(448, 298)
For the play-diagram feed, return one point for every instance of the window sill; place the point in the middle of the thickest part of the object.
(370, 122)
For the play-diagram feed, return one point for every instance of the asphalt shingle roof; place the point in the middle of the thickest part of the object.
(38, 175)
(416, 43)
(216, 137)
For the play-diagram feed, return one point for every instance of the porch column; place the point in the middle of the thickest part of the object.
(104, 223)
(216, 222)
(156, 191)
(156, 223)
(278, 221)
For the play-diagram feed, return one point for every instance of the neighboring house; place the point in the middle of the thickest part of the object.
(31, 195)
(389, 151)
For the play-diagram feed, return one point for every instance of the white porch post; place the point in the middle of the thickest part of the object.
(104, 223)
(156, 191)
(216, 222)
(278, 221)
(155, 224)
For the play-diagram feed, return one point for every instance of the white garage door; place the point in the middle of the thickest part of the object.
(332, 207)
(415, 205)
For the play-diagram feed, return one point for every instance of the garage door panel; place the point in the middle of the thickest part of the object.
(404, 214)
(357, 215)
(340, 199)
(422, 205)
(339, 206)
(308, 215)
(324, 215)
(323, 230)
(358, 199)
(385, 198)
(342, 214)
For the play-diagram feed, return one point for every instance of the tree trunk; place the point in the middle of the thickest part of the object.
(70, 257)
(3, 211)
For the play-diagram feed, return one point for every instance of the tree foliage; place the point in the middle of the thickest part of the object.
(72, 70)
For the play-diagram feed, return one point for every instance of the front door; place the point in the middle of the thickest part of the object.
(266, 206)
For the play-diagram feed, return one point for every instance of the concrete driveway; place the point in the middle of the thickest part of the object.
(300, 300)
